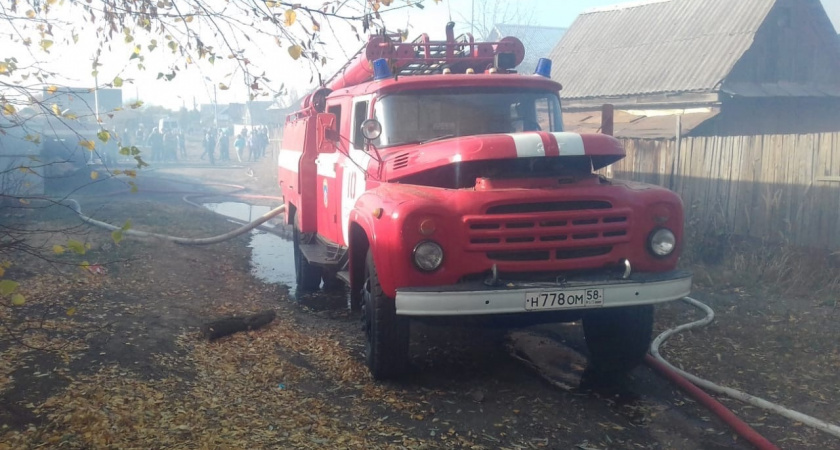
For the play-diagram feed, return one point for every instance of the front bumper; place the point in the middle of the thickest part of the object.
(476, 298)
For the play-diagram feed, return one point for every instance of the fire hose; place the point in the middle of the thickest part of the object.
(246, 227)
(180, 240)
(684, 380)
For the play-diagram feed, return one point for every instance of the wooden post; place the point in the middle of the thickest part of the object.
(607, 119)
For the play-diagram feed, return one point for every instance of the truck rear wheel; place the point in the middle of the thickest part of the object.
(386, 333)
(618, 339)
(307, 276)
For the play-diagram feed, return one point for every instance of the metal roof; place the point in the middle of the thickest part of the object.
(538, 42)
(655, 47)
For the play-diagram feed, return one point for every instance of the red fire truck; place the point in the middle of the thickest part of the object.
(439, 185)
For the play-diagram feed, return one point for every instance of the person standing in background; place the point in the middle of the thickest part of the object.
(210, 146)
(224, 145)
(239, 146)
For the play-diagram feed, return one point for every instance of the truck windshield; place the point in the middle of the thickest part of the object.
(420, 116)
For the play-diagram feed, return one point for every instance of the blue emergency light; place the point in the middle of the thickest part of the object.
(543, 68)
(381, 69)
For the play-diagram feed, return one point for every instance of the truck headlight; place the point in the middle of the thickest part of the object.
(662, 242)
(428, 256)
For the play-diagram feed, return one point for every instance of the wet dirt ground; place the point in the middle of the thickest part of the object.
(129, 369)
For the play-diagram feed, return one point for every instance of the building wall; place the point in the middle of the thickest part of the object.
(781, 115)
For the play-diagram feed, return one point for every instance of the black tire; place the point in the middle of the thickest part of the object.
(307, 276)
(386, 333)
(618, 339)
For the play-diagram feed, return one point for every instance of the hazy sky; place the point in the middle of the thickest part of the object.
(192, 86)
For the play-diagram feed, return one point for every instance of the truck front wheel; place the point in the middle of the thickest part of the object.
(307, 276)
(386, 333)
(618, 339)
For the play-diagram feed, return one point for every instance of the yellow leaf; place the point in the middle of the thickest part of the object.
(8, 287)
(18, 300)
(30, 14)
(84, 265)
(118, 82)
(76, 246)
(46, 44)
(90, 145)
(295, 51)
(58, 249)
(4, 67)
(130, 173)
(290, 16)
(71, 311)
(223, 87)
(52, 89)
(94, 175)
(188, 19)
(55, 109)
(270, 4)
(8, 109)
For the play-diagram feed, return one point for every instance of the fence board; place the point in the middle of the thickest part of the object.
(767, 186)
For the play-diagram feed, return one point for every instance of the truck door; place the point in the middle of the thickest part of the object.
(354, 168)
(329, 194)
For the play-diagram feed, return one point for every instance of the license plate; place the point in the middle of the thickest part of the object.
(561, 299)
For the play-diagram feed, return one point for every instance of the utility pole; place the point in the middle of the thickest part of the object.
(472, 18)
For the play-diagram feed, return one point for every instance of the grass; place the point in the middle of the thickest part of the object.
(724, 260)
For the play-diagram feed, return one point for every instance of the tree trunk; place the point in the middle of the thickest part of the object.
(229, 325)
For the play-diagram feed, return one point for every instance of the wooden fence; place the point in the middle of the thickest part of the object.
(780, 187)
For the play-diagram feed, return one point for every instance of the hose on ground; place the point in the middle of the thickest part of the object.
(658, 362)
(180, 240)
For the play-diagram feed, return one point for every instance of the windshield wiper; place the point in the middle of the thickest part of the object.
(439, 138)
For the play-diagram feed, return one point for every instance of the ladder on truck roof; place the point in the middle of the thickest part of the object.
(424, 56)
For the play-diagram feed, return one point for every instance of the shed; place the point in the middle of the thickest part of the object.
(752, 66)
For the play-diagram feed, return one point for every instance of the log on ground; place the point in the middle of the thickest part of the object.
(229, 325)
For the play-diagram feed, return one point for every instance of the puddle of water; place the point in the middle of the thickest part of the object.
(239, 210)
(272, 258)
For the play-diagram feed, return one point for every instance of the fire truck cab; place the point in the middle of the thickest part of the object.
(439, 184)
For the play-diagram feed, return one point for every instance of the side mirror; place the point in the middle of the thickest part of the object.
(371, 129)
(327, 135)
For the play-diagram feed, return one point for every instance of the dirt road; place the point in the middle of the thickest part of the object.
(133, 372)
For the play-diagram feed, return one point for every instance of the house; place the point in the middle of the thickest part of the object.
(707, 68)
(82, 101)
(538, 41)
(261, 113)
